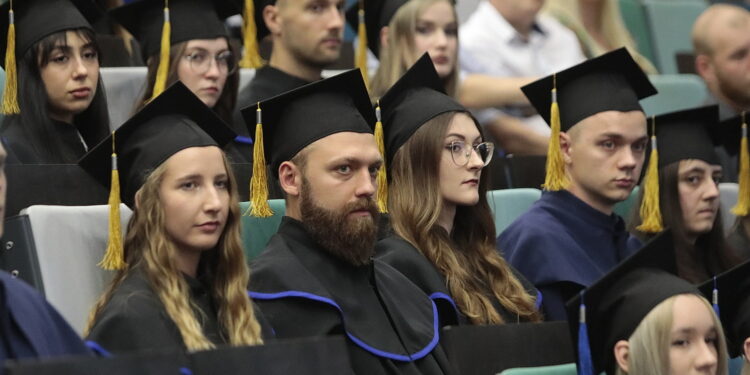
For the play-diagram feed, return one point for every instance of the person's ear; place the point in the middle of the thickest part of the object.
(271, 18)
(138, 198)
(622, 351)
(290, 178)
(705, 68)
(384, 37)
(746, 348)
(566, 147)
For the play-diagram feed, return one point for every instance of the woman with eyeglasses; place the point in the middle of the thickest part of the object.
(443, 233)
(200, 55)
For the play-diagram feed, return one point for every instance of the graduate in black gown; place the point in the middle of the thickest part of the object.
(571, 237)
(443, 228)
(317, 277)
(62, 110)
(181, 281)
(200, 55)
(680, 191)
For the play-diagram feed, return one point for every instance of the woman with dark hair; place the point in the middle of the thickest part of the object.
(200, 54)
(444, 235)
(181, 274)
(681, 192)
(63, 109)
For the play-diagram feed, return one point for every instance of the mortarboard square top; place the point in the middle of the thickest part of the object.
(414, 99)
(293, 120)
(618, 302)
(36, 19)
(610, 82)
(172, 122)
(189, 19)
(733, 288)
(688, 134)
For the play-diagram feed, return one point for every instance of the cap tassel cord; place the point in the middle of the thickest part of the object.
(114, 257)
(585, 364)
(650, 212)
(715, 299)
(259, 182)
(743, 197)
(382, 177)
(10, 91)
(555, 178)
(161, 73)
(360, 60)
(251, 57)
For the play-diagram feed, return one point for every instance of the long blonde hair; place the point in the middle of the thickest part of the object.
(613, 27)
(476, 275)
(148, 247)
(398, 55)
(649, 344)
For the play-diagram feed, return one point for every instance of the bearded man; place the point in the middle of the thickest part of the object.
(317, 275)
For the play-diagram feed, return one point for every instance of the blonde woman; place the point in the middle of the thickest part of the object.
(599, 27)
(184, 278)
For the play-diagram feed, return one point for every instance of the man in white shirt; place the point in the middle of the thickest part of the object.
(508, 38)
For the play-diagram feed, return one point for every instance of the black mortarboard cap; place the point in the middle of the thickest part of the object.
(616, 304)
(36, 19)
(293, 120)
(610, 82)
(173, 121)
(413, 100)
(378, 14)
(733, 300)
(687, 134)
(190, 19)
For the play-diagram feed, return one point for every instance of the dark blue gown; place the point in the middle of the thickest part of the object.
(563, 245)
(30, 327)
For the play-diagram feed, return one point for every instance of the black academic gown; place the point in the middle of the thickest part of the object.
(303, 291)
(563, 245)
(30, 327)
(267, 83)
(402, 256)
(21, 152)
(135, 319)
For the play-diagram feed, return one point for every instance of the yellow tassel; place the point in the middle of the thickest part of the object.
(743, 198)
(259, 183)
(360, 61)
(650, 212)
(382, 178)
(161, 73)
(114, 258)
(555, 178)
(10, 92)
(251, 58)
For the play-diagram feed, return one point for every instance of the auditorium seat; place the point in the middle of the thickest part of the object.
(728, 192)
(257, 231)
(508, 204)
(123, 86)
(676, 92)
(671, 23)
(566, 369)
(60, 246)
(635, 21)
(625, 208)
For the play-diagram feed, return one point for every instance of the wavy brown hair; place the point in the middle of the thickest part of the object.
(148, 248)
(475, 273)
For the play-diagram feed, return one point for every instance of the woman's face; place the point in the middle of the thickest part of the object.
(204, 68)
(195, 195)
(437, 33)
(693, 339)
(699, 194)
(459, 174)
(70, 77)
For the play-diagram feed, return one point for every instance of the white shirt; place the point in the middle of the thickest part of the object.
(490, 45)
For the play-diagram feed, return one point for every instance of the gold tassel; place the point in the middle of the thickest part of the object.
(161, 73)
(382, 178)
(360, 60)
(555, 178)
(259, 182)
(743, 196)
(114, 258)
(251, 58)
(650, 212)
(10, 92)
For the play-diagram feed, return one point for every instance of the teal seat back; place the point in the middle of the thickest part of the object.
(625, 207)
(676, 92)
(509, 204)
(635, 21)
(671, 23)
(566, 369)
(257, 231)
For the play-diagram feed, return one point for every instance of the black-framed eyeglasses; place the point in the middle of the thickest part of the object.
(200, 61)
(461, 152)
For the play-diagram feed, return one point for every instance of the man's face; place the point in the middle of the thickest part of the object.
(603, 155)
(310, 31)
(337, 204)
(729, 65)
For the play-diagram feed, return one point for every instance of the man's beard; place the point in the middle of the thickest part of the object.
(734, 91)
(351, 239)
